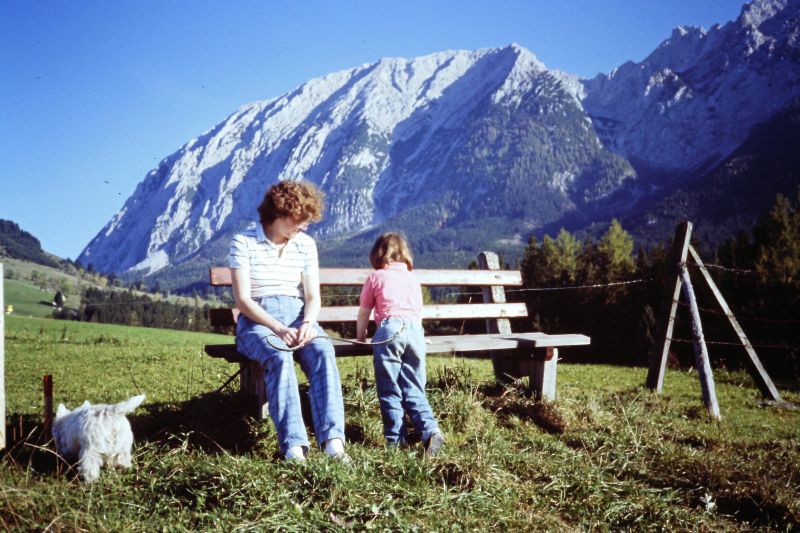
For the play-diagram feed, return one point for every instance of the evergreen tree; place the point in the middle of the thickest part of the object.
(616, 251)
(777, 240)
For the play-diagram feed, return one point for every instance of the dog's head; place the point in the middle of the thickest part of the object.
(62, 410)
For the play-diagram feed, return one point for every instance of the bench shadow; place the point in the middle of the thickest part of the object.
(508, 401)
(218, 422)
(214, 422)
(513, 401)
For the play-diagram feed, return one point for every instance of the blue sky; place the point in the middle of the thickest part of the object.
(94, 93)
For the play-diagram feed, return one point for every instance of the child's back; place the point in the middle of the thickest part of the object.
(399, 352)
(393, 291)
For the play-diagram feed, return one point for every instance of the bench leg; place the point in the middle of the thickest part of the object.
(509, 365)
(251, 384)
(543, 373)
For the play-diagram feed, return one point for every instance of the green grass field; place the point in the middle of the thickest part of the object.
(607, 455)
(31, 301)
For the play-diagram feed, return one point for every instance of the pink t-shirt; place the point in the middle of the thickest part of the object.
(393, 291)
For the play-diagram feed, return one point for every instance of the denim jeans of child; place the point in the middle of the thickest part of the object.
(400, 379)
(317, 360)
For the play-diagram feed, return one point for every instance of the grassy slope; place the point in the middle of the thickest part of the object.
(607, 455)
(26, 297)
(28, 300)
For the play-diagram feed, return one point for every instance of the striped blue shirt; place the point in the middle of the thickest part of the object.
(273, 271)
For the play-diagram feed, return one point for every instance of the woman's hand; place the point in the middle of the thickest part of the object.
(290, 336)
(306, 333)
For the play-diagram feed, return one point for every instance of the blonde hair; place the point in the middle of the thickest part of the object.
(390, 247)
(299, 200)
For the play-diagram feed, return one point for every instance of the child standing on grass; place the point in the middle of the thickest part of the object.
(395, 294)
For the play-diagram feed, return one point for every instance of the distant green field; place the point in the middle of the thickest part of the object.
(27, 299)
(607, 455)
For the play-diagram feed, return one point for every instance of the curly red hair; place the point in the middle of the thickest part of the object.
(299, 200)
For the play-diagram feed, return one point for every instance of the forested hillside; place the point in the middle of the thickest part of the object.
(19, 244)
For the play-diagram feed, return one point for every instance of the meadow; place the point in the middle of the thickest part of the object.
(607, 455)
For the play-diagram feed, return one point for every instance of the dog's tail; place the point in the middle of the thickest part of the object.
(128, 405)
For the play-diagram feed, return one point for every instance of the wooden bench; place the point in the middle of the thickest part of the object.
(514, 355)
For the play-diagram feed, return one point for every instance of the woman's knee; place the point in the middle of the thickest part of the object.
(281, 360)
(319, 354)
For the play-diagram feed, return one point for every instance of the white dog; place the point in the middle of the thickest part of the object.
(95, 434)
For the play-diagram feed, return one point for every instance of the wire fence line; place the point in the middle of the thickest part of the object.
(738, 344)
(353, 297)
(742, 271)
(741, 317)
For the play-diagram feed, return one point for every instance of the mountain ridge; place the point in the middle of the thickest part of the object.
(462, 136)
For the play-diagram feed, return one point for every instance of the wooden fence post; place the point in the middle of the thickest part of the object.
(2, 363)
(47, 387)
(701, 361)
(669, 307)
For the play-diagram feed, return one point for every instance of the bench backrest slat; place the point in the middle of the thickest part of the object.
(221, 276)
(348, 313)
(489, 280)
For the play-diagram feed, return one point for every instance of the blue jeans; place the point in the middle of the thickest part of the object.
(400, 379)
(318, 362)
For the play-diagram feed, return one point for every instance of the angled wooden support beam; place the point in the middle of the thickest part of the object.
(701, 360)
(755, 367)
(669, 307)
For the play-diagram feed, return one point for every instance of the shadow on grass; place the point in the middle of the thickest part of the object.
(514, 401)
(506, 401)
(29, 446)
(214, 423)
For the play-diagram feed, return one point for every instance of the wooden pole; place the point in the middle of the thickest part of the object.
(757, 370)
(669, 307)
(2, 363)
(701, 360)
(47, 386)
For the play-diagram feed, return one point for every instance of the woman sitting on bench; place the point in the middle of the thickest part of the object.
(275, 279)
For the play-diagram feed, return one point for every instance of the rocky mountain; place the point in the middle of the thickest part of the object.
(465, 149)
(693, 100)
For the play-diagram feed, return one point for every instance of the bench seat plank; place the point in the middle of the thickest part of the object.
(439, 344)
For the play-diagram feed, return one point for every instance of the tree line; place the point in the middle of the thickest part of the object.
(759, 278)
(135, 309)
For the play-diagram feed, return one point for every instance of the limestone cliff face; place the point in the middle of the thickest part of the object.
(694, 99)
(465, 135)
